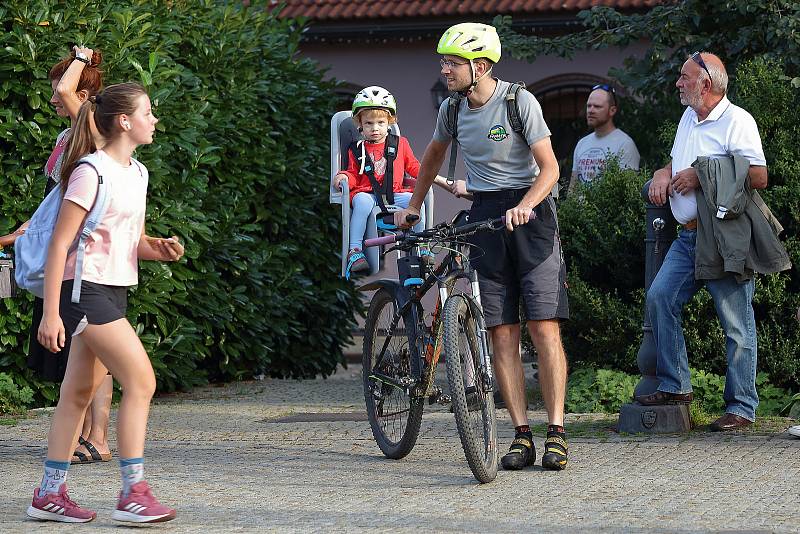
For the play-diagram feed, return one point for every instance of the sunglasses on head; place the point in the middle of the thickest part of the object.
(608, 89)
(697, 58)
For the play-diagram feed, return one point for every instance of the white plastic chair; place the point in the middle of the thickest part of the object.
(343, 134)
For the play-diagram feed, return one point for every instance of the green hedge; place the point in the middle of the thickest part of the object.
(237, 170)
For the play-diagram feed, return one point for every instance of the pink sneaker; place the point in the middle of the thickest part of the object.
(141, 507)
(58, 507)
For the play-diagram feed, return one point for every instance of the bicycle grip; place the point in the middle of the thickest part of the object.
(378, 241)
(389, 219)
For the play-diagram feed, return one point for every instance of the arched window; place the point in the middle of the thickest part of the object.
(563, 101)
(345, 92)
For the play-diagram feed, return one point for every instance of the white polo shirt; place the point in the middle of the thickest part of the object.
(728, 130)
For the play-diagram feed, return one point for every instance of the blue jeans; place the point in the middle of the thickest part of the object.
(673, 287)
(362, 207)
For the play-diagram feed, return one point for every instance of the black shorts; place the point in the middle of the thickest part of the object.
(526, 263)
(50, 366)
(100, 304)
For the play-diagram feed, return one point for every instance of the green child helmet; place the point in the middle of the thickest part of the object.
(470, 40)
(374, 97)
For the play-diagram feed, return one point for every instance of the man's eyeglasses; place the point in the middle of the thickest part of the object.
(608, 89)
(697, 58)
(449, 64)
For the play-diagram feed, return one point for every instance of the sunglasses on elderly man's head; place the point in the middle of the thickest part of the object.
(608, 89)
(697, 58)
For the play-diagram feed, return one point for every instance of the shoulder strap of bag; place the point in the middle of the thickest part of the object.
(451, 125)
(512, 107)
(96, 215)
(365, 166)
(390, 153)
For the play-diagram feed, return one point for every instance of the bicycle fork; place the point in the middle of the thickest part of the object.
(483, 335)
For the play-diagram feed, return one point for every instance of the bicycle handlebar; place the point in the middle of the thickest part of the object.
(389, 218)
(489, 224)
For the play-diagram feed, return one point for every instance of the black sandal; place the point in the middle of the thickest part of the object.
(80, 458)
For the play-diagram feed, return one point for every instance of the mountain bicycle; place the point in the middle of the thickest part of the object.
(402, 345)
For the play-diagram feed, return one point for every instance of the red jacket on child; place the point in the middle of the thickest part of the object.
(404, 163)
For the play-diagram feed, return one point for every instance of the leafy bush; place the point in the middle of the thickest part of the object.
(599, 390)
(236, 170)
(603, 249)
(605, 390)
(13, 399)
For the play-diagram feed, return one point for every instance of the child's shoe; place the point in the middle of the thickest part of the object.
(141, 507)
(58, 507)
(356, 261)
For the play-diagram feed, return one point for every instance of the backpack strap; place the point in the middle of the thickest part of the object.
(390, 153)
(512, 108)
(366, 166)
(451, 125)
(96, 215)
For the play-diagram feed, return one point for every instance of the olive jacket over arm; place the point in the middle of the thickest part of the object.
(736, 231)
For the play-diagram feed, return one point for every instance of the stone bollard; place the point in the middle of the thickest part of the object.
(633, 417)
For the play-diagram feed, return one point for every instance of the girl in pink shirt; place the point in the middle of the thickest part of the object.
(102, 336)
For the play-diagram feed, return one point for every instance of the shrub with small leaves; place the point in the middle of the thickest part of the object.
(237, 171)
(13, 399)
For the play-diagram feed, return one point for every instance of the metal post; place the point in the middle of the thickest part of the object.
(633, 417)
(660, 233)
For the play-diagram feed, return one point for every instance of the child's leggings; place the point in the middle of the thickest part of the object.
(362, 207)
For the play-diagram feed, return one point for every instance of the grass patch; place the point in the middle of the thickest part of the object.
(8, 421)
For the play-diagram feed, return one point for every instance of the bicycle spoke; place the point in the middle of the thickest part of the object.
(394, 416)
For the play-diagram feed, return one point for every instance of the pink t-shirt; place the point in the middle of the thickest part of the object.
(111, 250)
(52, 168)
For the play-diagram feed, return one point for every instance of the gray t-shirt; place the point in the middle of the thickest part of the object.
(494, 155)
(592, 150)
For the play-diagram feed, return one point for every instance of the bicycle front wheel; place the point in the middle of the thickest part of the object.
(394, 415)
(473, 401)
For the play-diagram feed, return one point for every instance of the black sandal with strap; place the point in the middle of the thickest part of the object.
(95, 454)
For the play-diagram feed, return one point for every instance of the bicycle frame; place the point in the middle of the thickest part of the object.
(445, 276)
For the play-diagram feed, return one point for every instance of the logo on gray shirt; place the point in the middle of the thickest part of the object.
(497, 133)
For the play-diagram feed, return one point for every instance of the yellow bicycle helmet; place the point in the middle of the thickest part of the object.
(470, 40)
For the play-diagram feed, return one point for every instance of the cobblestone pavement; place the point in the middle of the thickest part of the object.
(220, 458)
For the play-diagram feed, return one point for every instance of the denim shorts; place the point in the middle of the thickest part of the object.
(524, 264)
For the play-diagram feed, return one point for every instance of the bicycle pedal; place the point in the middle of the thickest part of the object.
(444, 399)
(435, 393)
(406, 381)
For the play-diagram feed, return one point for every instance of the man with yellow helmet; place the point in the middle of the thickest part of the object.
(511, 174)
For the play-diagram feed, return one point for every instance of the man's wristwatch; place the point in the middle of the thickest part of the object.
(80, 56)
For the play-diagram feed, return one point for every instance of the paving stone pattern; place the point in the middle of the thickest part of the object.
(219, 456)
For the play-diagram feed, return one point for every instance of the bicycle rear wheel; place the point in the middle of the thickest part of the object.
(473, 402)
(394, 415)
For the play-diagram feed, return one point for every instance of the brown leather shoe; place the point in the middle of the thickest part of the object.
(660, 398)
(729, 421)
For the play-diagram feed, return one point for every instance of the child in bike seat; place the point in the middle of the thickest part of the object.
(376, 167)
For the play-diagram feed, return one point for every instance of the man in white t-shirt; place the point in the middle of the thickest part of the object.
(711, 126)
(592, 151)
